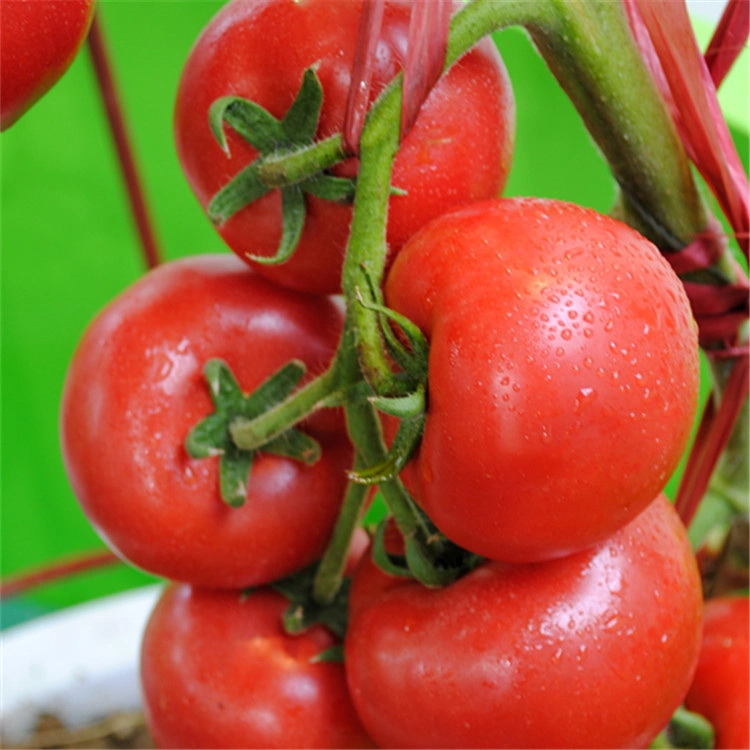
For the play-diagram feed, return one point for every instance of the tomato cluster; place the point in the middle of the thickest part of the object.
(531, 586)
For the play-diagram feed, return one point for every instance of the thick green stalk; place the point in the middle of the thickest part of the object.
(330, 571)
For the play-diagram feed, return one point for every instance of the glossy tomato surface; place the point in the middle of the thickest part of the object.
(39, 40)
(563, 374)
(218, 670)
(721, 688)
(458, 151)
(596, 649)
(134, 390)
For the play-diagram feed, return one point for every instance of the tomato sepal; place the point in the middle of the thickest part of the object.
(275, 140)
(304, 611)
(686, 729)
(255, 124)
(402, 449)
(215, 435)
(332, 655)
(388, 562)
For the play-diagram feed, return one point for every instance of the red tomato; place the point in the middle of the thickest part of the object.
(563, 374)
(39, 40)
(218, 670)
(596, 649)
(458, 151)
(721, 688)
(135, 389)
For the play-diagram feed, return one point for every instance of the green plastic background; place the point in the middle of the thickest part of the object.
(69, 246)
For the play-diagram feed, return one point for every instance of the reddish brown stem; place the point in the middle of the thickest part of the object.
(713, 436)
(359, 90)
(100, 58)
(729, 39)
(20, 584)
(426, 49)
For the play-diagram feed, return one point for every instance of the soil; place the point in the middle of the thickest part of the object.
(122, 730)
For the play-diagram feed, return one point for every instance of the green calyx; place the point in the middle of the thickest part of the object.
(435, 565)
(305, 610)
(213, 435)
(289, 160)
(685, 730)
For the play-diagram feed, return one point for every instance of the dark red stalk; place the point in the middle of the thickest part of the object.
(665, 35)
(427, 45)
(713, 435)
(101, 60)
(687, 82)
(728, 40)
(20, 584)
(359, 89)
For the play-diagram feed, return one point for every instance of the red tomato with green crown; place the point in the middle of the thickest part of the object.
(596, 649)
(562, 379)
(218, 670)
(136, 388)
(458, 151)
(39, 39)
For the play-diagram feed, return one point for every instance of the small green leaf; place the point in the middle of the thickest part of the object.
(403, 407)
(243, 189)
(404, 444)
(330, 188)
(295, 444)
(234, 475)
(416, 361)
(394, 565)
(301, 120)
(425, 570)
(274, 389)
(293, 221)
(255, 124)
(304, 612)
(222, 384)
(208, 438)
(685, 730)
(334, 655)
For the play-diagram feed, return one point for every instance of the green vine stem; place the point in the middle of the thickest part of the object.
(330, 570)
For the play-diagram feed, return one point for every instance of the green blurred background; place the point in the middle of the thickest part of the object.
(69, 245)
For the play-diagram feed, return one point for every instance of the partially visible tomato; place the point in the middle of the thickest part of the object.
(592, 650)
(134, 390)
(458, 151)
(218, 670)
(721, 688)
(39, 40)
(563, 374)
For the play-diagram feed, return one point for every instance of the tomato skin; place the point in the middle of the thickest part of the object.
(259, 50)
(217, 670)
(721, 687)
(39, 39)
(563, 374)
(592, 650)
(136, 387)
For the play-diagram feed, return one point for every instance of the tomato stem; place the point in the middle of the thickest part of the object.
(279, 170)
(330, 571)
(366, 432)
(331, 388)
